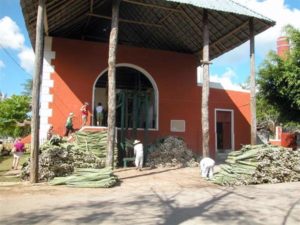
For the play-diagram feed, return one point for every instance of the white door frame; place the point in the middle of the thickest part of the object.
(232, 127)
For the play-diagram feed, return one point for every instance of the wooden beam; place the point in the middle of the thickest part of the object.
(167, 16)
(252, 83)
(112, 55)
(89, 17)
(69, 23)
(38, 69)
(69, 18)
(125, 20)
(228, 34)
(152, 6)
(94, 37)
(92, 6)
(192, 22)
(205, 87)
(46, 28)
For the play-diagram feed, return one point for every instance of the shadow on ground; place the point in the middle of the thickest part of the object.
(148, 208)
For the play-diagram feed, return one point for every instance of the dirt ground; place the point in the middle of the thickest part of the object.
(158, 196)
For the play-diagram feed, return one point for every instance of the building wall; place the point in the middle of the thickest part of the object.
(79, 63)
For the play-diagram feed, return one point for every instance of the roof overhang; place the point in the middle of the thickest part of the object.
(157, 24)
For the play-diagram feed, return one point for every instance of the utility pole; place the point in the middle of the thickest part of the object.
(38, 69)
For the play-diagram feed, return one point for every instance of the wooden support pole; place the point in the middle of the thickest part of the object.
(205, 87)
(113, 44)
(252, 84)
(38, 69)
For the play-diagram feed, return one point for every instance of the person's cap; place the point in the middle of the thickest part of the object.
(71, 114)
(136, 141)
(86, 103)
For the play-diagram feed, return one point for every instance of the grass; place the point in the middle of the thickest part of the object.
(5, 166)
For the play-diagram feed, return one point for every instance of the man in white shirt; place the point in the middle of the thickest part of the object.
(207, 167)
(99, 114)
(139, 154)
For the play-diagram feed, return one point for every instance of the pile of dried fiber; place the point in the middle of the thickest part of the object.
(88, 178)
(170, 152)
(60, 160)
(95, 142)
(259, 164)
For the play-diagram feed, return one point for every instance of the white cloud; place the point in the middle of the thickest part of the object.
(225, 80)
(276, 10)
(26, 57)
(10, 35)
(2, 65)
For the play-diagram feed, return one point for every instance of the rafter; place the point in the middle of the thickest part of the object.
(228, 34)
(125, 20)
(152, 6)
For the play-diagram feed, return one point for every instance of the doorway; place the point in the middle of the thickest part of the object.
(136, 98)
(224, 132)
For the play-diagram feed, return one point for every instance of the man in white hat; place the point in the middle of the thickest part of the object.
(139, 154)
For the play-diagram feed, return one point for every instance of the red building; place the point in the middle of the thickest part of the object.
(156, 81)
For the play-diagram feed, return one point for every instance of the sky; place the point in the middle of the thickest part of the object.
(231, 69)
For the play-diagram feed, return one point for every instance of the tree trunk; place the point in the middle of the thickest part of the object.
(35, 122)
(252, 85)
(111, 120)
(205, 87)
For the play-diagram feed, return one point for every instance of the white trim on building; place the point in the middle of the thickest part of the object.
(47, 84)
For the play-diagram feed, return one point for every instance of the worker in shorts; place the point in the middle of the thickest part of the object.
(207, 167)
(18, 151)
(84, 113)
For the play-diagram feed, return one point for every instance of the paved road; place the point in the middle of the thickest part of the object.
(148, 198)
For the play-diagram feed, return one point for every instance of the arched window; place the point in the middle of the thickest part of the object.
(136, 103)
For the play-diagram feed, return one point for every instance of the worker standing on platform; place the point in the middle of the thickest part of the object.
(84, 113)
(99, 114)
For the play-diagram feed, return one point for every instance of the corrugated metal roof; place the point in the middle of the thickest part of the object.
(224, 6)
(157, 24)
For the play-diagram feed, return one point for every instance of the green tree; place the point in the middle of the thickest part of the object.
(27, 87)
(13, 112)
(279, 80)
(267, 114)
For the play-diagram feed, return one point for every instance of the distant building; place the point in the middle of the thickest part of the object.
(283, 46)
